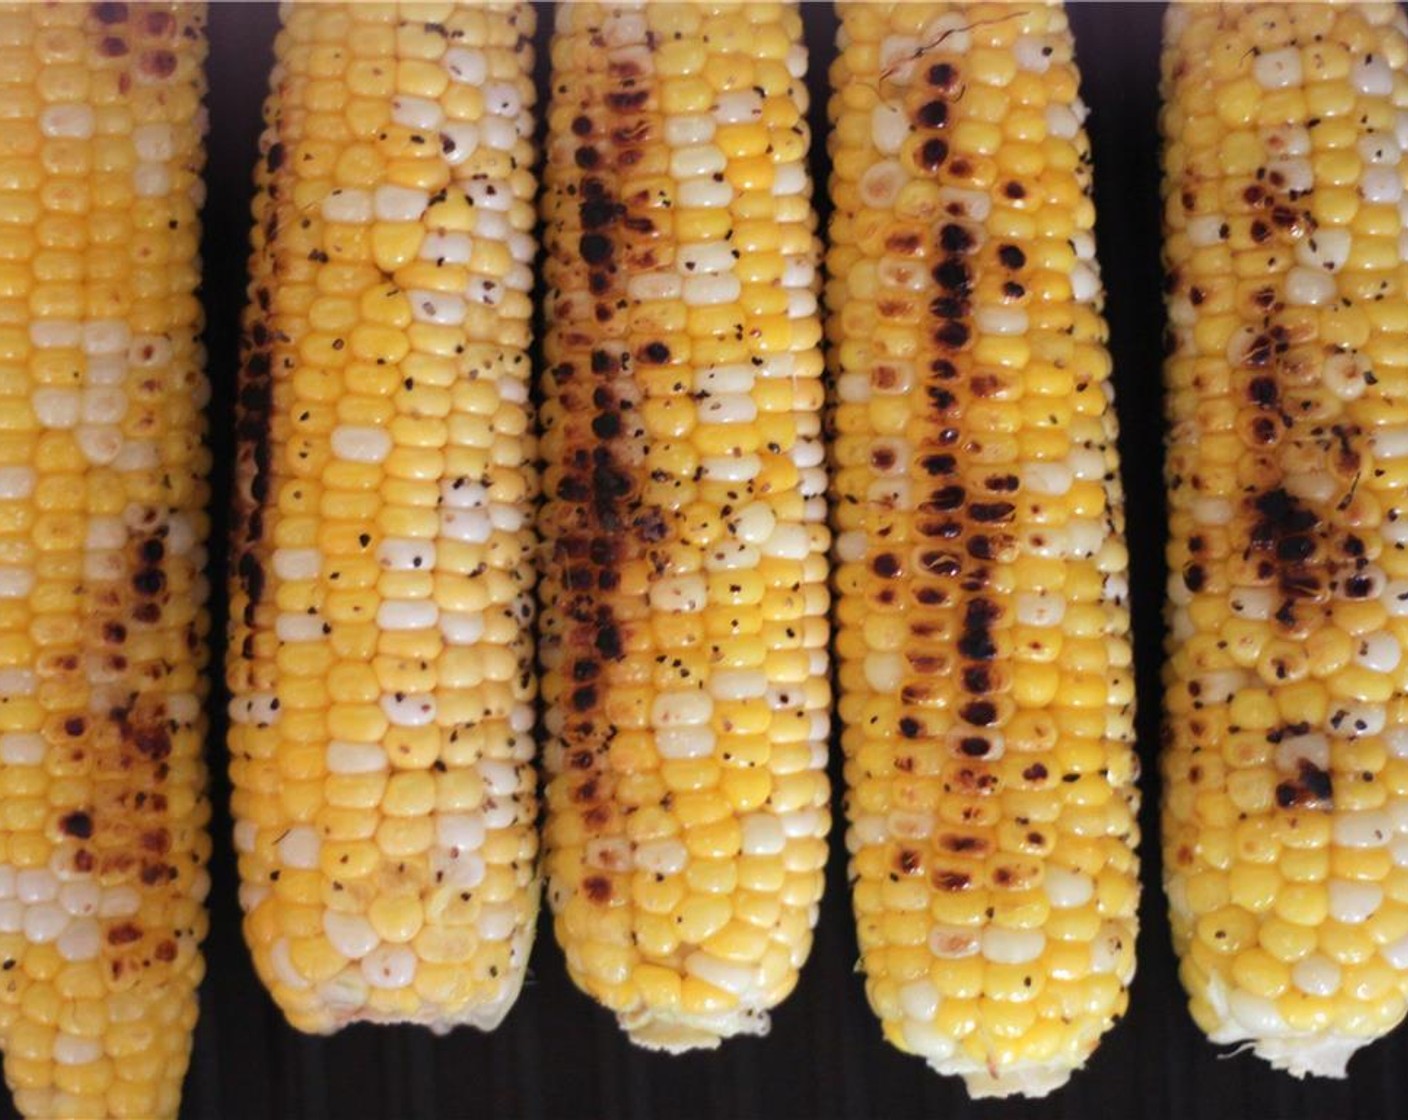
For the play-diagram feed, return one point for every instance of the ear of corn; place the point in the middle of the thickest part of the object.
(684, 632)
(103, 841)
(985, 677)
(1286, 759)
(380, 660)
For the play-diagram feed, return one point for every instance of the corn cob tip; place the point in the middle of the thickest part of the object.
(1325, 1056)
(1024, 1081)
(488, 1016)
(1302, 1055)
(677, 1035)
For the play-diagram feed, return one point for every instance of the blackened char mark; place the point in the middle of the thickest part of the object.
(1311, 788)
(976, 641)
(1285, 534)
(253, 415)
(254, 411)
(612, 524)
(956, 574)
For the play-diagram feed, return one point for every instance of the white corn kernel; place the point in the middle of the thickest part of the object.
(399, 204)
(345, 757)
(680, 594)
(1312, 748)
(76, 1050)
(705, 194)
(889, 127)
(737, 684)
(297, 563)
(711, 291)
(1308, 287)
(739, 979)
(762, 834)
(36, 885)
(609, 855)
(1067, 889)
(67, 121)
(81, 940)
(467, 65)
(1012, 946)
(389, 966)
(683, 130)
(1381, 184)
(45, 922)
(1277, 69)
(347, 206)
(1257, 1015)
(300, 847)
(360, 444)
(919, 1000)
(56, 408)
(350, 934)
(409, 709)
(738, 106)
(458, 141)
(661, 857)
(406, 554)
(16, 582)
(1371, 75)
(407, 614)
(1353, 902)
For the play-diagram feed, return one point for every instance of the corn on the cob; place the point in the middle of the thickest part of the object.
(1285, 814)
(380, 660)
(684, 635)
(103, 841)
(985, 677)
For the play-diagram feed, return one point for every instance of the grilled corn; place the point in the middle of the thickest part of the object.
(380, 660)
(684, 632)
(986, 696)
(103, 840)
(1285, 813)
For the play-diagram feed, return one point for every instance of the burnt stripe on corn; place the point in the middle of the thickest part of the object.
(1285, 819)
(380, 656)
(684, 596)
(103, 841)
(985, 678)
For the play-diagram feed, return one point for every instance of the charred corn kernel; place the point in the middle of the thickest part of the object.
(985, 698)
(380, 657)
(103, 525)
(684, 631)
(1285, 244)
